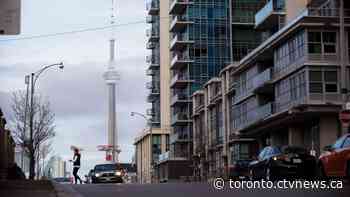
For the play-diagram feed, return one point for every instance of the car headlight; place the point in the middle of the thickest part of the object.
(97, 174)
(118, 173)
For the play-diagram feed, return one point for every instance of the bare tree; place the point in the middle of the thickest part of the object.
(43, 126)
(44, 150)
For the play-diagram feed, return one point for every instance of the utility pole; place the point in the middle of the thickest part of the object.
(31, 117)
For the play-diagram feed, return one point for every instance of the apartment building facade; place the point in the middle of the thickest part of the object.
(205, 36)
(287, 91)
(158, 70)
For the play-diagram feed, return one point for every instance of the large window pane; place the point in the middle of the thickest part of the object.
(330, 76)
(330, 48)
(314, 36)
(316, 88)
(331, 88)
(315, 48)
(315, 75)
(329, 37)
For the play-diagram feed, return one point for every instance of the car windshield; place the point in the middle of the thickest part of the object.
(339, 143)
(294, 149)
(105, 167)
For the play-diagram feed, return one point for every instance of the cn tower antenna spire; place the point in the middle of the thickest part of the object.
(111, 77)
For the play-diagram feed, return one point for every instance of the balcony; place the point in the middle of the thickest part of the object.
(269, 15)
(151, 72)
(180, 41)
(149, 19)
(153, 7)
(179, 6)
(154, 91)
(262, 82)
(180, 81)
(179, 138)
(155, 121)
(152, 61)
(255, 115)
(180, 99)
(150, 112)
(180, 119)
(150, 45)
(152, 35)
(180, 60)
(179, 23)
(164, 157)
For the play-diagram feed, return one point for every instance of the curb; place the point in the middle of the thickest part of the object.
(62, 190)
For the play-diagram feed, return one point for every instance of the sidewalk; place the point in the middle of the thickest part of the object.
(27, 188)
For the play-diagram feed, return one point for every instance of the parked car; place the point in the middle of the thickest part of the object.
(275, 163)
(243, 151)
(335, 161)
(107, 173)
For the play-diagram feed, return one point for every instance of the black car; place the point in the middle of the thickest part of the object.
(107, 173)
(275, 163)
(242, 153)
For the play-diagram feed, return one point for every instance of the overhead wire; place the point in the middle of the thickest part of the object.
(75, 31)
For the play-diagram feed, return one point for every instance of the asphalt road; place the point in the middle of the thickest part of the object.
(195, 189)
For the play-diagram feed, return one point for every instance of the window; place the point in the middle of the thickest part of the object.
(315, 42)
(324, 81)
(331, 81)
(329, 42)
(316, 82)
(322, 42)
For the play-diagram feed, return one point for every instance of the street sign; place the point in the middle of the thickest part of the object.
(10, 17)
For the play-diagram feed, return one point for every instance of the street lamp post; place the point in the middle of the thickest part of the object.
(149, 122)
(34, 77)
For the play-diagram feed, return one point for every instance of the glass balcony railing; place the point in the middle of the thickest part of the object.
(183, 78)
(180, 97)
(180, 118)
(273, 6)
(164, 156)
(255, 115)
(180, 40)
(179, 137)
(262, 78)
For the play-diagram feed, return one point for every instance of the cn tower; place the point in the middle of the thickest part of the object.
(111, 77)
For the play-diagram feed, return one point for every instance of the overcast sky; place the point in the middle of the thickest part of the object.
(78, 94)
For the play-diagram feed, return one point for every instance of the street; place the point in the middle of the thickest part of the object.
(189, 189)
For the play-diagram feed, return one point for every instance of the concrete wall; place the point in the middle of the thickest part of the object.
(164, 65)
